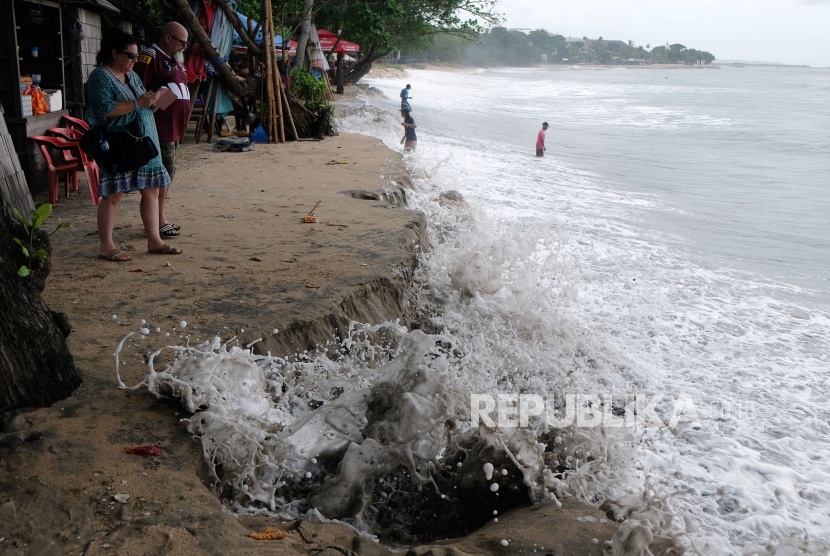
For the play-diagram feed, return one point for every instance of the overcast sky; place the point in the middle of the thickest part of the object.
(785, 31)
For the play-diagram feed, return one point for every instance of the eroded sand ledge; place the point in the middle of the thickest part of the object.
(61, 466)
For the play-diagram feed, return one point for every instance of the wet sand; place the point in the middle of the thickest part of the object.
(250, 265)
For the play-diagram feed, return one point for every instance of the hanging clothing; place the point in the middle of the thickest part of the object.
(221, 98)
(318, 59)
(195, 57)
(221, 35)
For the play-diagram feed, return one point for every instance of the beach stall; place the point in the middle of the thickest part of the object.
(330, 45)
(51, 45)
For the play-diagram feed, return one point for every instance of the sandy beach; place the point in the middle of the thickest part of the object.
(250, 265)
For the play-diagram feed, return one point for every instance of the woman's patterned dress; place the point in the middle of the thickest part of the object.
(104, 91)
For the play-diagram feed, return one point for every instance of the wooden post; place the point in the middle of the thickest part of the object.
(193, 95)
(212, 122)
(201, 124)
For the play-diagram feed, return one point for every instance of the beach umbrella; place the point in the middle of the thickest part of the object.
(327, 40)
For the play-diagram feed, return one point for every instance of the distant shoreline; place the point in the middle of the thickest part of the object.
(625, 66)
(392, 71)
(389, 71)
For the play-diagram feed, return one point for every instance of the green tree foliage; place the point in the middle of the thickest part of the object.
(27, 244)
(311, 91)
(501, 46)
(382, 26)
(446, 47)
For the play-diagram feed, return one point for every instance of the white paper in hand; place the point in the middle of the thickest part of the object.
(166, 97)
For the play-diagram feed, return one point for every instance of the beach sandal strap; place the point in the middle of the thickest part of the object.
(111, 256)
(166, 249)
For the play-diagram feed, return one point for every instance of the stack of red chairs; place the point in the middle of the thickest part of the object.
(66, 140)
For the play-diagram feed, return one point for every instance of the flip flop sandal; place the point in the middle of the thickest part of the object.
(175, 226)
(111, 256)
(165, 250)
(168, 230)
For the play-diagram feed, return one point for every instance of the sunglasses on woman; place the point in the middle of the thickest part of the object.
(130, 55)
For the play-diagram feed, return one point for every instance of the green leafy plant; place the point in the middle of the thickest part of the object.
(311, 91)
(38, 218)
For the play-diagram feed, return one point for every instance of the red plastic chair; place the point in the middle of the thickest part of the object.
(77, 122)
(68, 170)
(69, 156)
(70, 135)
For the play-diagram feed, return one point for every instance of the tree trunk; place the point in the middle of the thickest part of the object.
(305, 30)
(36, 368)
(340, 56)
(232, 81)
(341, 66)
(361, 68)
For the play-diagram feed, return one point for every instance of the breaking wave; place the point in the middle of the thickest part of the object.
(374, 429)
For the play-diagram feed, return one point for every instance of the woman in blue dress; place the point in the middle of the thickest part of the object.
(115, 98)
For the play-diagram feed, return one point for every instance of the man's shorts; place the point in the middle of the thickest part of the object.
(540, 152)
(168, 157)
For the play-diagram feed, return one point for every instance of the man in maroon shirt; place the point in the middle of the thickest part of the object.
(162, 65)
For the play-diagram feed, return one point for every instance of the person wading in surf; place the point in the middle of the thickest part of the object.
(540, 140)
(405, 98)
(410, 140)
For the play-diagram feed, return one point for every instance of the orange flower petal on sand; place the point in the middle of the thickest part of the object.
(269, 534)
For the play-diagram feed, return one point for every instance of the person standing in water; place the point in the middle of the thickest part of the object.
(540, 140)
(410, 139)
(405, 98)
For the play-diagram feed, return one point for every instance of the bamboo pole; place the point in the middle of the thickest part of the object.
(273, 62)
(266, 71)
(284, 96)
(329, 94)
(267, 44)
(276, 72)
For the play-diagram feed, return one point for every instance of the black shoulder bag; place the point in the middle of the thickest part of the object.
(120, 151)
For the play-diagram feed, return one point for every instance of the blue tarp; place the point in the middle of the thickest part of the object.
(258, 39)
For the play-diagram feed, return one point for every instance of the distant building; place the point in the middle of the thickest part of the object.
(521, 30)
(605, 43)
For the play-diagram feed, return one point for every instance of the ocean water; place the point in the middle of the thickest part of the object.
(673, 240)
(672, 244)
